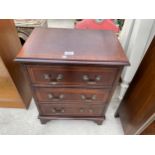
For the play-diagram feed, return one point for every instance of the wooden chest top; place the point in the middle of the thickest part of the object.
(53, 45)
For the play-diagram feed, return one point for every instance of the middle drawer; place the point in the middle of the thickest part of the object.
(71, 94)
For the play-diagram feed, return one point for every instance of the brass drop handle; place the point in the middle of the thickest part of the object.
(59, 77)
(98, 78)
(88, 99)
(81, 110)
(53, 81)
(46, 76)
(85, 77)
(55, 110)
(90, 110)
(91, 81)
(51, 96)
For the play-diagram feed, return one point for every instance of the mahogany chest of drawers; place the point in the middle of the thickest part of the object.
(73, 73)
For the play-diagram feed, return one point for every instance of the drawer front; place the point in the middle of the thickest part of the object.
(71, 94)
(71, 110)
(69, 75)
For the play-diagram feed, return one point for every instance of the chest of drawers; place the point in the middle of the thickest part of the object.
(73, 73)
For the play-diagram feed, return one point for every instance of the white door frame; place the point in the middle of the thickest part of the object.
(135, 38)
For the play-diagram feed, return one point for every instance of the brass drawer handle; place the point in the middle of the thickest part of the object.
(55, 110)
(85, 77)
(90, 110)
(51, 96)
(59, 77)
(98, 78)
(81, 110)
(91, 81)
(88, 99)
(51, 80)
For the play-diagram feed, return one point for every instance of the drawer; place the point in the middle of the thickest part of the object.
(71, 110)
(71, 75)
(71, 94)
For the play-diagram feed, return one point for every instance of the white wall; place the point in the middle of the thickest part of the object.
(135, 38)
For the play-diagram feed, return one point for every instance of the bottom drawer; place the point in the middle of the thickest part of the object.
(71, 110)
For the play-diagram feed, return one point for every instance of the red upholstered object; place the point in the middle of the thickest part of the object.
(106, 24)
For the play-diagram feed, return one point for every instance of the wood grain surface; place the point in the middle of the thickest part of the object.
(138, 103)
(67, 45)
(9, 96)
(9, 47)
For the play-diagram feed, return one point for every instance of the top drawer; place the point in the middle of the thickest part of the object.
(71, 75)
